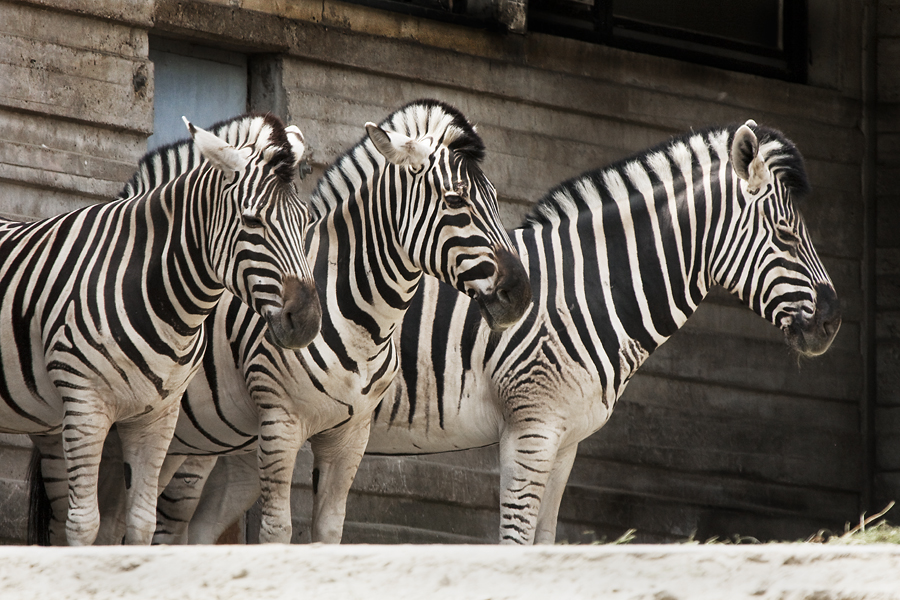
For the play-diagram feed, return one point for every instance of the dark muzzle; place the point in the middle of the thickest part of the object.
(300, 317)
(511, 297)
(812, 335)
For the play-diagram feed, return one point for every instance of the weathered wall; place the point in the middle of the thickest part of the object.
(886, 412)
(76, 93)
(722, 432)
(75, 104)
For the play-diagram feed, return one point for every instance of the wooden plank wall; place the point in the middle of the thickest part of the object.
(886, 414)
(723, 431)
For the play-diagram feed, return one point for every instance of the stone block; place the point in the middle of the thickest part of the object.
(66, 156)
(133, 12)
(15, 451)
(75, 67)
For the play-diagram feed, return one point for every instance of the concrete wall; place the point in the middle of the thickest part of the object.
(76, 106)
(723, 431)
(886, 412)
(76, 103)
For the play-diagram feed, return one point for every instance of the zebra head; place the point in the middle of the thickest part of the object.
(448, 216)
(776, 270)
(256, 246)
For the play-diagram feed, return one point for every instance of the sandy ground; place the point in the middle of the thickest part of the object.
(785, 572)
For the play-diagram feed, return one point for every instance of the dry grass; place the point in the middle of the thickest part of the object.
(869, 530)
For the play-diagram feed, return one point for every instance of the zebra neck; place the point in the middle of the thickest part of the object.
(178, 277)
(367, 276)
(612, 280)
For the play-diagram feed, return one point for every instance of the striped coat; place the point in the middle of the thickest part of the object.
(105, 308)
(619, 258)
(408, 200)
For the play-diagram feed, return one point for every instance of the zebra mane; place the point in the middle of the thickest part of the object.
(780, 155)
(164, 164)
(418, 119)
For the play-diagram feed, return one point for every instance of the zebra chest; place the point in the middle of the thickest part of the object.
(334, 390)
(130, 374)
(563, 381)
(366, 379)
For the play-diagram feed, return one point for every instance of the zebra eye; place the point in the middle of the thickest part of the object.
(454, 200)
(251, 221)
(787, 235)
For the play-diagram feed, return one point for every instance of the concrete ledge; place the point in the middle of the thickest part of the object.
(437, 572)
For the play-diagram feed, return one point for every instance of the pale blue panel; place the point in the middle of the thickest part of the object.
(205, 90)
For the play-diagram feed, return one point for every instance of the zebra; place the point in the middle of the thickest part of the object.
(104, 306)
(409, 198)
(618, 258)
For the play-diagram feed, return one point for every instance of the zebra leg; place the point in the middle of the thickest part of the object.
(337, 453)
(230, 491)
(556, 485)
(280, 436)
(56, 483)
(111, 489)
(85, 427)
(171, 465)
(144, 446)
(178, 500)
(527, 455)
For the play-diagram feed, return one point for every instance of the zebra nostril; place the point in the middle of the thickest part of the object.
(831, 326)
(503, 295)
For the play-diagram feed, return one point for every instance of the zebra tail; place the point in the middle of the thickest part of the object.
(39, 510)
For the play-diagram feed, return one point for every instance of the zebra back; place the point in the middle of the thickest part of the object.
(167, 162)
(415, 120)
(682, 153)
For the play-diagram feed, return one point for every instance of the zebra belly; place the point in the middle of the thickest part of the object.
(397, 440)
(569, 398)
(439, 424)
(45, 413)
(33, 402)
(286, 384)
(216, 421)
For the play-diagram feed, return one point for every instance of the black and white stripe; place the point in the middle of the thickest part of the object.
(408, 199)
(103, 308)
(619, 258)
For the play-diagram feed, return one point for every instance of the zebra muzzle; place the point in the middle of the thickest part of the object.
(299, 319)
(510, 298)
(811, 334)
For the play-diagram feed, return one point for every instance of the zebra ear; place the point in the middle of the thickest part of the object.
(298, 145)
(745, 157)
(220, 154)
(399, 149)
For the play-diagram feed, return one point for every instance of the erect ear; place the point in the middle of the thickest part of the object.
(220, 154)
(399, 149)
(745, 157)
(295, 137)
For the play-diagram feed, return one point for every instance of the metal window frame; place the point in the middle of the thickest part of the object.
(431, 10)
(788, 63)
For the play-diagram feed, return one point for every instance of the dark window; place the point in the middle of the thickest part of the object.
(472, 13)
(766, 37)
(206, 85)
